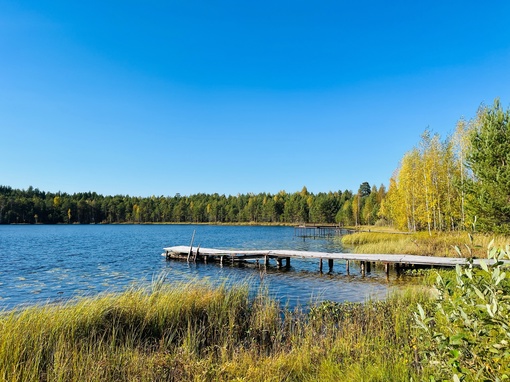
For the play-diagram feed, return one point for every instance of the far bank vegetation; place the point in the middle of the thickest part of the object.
(456, 184)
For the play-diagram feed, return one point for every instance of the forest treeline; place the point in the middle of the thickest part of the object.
(35, 206)
(462, 182)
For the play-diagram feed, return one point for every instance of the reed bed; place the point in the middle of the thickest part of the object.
(423, 243)
(196, 332)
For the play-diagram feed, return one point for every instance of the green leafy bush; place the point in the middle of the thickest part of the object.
(467, 335)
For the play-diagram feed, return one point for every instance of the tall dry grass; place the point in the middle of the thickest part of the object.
(423, 243)
(194, 332)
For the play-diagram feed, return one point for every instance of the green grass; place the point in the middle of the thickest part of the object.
(421, 243)
(194, 332)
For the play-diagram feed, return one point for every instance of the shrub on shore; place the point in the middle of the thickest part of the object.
(466, 335)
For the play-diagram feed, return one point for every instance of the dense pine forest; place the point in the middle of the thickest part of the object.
(460, 183)
(35, 206)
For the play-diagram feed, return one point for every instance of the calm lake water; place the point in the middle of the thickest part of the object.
(46, 263)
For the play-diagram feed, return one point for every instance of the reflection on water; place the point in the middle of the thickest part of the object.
(54, 263)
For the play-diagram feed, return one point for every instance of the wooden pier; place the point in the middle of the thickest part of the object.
(263, 257)
(318, 231)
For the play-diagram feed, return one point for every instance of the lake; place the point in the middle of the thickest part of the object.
(52, 263)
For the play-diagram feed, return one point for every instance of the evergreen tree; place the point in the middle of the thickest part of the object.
(489, 161)
(364, 189)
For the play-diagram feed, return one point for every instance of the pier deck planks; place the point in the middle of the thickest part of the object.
(282, 254)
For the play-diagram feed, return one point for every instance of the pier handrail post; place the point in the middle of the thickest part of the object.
(191, 246)
(196, 253)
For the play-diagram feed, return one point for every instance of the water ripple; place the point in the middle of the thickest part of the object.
(50, 263)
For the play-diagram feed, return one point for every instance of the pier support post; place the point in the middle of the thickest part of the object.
(320, 265)
(287, 262)
(347, 266)
(368, 266)
(266, 260)
(330, 264)
(387, 268)
(362, 266)
(279, 262)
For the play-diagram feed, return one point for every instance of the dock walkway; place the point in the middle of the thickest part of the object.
(232, 256)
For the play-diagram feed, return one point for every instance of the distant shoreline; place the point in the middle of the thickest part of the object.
(170, 223)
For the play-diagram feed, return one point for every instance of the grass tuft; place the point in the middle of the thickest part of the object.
(190, 332)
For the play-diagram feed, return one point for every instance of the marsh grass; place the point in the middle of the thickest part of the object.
(421, 243)
(196, 332)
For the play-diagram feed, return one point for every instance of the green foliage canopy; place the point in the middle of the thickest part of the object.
(35, 206)
(467, 335)
(489, 161)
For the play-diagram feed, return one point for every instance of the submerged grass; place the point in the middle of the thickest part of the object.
(423, 243)
(194, 332)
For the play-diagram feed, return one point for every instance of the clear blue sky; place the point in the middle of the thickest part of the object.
(164, 97)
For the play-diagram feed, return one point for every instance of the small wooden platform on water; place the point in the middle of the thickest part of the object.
(319, 231)
(262, 257)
